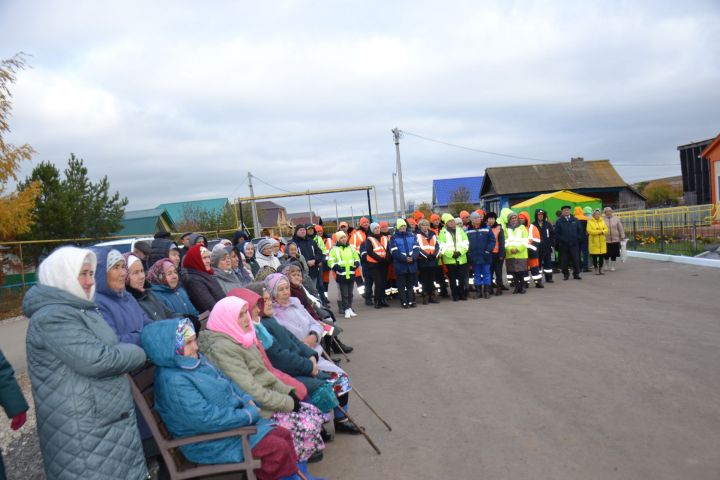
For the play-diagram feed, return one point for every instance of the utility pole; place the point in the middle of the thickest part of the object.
(352, 215)
(310, 215)
(395, 210)
(337, 216)
(256, 223)
(396, 135)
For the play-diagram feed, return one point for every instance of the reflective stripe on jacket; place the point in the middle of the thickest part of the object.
(449, 244)
(516, 239)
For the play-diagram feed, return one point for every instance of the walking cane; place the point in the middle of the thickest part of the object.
(337, 344)
(362, 430)
(354, 389)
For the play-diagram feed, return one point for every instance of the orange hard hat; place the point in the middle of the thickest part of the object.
(434, 217)
(464, 214)
(318, 228)
(364, 220)
(418, 215)
(480, 211)
(384, 224)
(410, 220)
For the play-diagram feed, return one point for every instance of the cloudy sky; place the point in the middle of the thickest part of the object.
(179, 100)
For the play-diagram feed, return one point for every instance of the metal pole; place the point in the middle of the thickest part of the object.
(242, 220)
(337, 216)
(662, 238)
(634, 238)
(396, 135)
(256, 222)
(310, 215)
(395, 210)
(376, 204)
(694, 234)
(22, 267)
(369, 206)
(352, 216)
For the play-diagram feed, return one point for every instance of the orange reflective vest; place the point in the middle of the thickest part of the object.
(496, 231)
(357, 238)
(379, 248)
(428, 247)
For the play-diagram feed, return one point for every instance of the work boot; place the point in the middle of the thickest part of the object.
(498, 291)
(487, 290)
(538, 284)
(548, 278)
(341, 307)
(523, 284)
(368, 301)
(516, 283)
(383, 303)
(424, 299)
(600, 272)
(378, 304)
(432, 298)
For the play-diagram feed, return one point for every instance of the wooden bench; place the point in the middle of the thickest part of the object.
(142, 383)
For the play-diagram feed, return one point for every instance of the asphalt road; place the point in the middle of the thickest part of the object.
(612, 377)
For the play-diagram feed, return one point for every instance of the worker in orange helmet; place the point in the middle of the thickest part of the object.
(465, 217)
(440, 269)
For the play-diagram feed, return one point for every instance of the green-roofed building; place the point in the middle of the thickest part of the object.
(146, 222)
(177, 210)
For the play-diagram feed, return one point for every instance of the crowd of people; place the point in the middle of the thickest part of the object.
(262, 352)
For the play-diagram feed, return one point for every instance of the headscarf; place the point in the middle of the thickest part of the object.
(113, 257)
(218, 254)
(261, 245)
(193, 259)
(62, 268)
(185, 332)
(242, 248)
(130, 260)
(224, 319)
(156, 273)
(273, 281)
(252, 300)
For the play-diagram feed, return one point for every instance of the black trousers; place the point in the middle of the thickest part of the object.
(427, 279)
(378, 273)
(369, 279)
(458, 276)
(598, 260)
(569, 253)
(546, 262)
(346, 287)
(405, 282)
(497, 270)
(440, 279)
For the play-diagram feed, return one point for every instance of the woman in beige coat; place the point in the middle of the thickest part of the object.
(615, 235)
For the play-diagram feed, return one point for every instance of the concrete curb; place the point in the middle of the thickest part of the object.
(660, 257)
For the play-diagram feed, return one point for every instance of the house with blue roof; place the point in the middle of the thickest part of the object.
(444, 188)
(177, 210)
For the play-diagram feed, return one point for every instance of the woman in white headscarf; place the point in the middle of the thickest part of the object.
(85, 413)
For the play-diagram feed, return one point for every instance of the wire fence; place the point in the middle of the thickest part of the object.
(687, 231)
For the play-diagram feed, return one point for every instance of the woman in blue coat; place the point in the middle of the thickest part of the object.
(119, 309)
(165, 282)
(193, 397)
(482, 243)
(404, 249)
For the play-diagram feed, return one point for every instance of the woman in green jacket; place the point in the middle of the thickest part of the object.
(343, 259)
(516, 254)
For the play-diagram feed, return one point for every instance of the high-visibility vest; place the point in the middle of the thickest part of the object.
(533, 237)
(357, 238)
(496, 231)
(516, 238)
(379, 248)
(329, 244)
(427, 246)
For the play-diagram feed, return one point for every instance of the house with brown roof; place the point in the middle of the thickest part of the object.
(303, 218)
(506, 186)
(270, 214)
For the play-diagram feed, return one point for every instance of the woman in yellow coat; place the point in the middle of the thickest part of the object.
(596, 231)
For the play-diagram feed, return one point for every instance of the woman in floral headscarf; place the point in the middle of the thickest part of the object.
(230, 342)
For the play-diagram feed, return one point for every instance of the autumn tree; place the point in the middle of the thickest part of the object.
(15, 207)
(197, 219)
(73, 206)
(459, 201)
(661, 194)
(425, 208)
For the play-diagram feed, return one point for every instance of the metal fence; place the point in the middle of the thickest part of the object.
(685, 231)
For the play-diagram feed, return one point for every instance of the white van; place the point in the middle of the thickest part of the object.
(124, 245)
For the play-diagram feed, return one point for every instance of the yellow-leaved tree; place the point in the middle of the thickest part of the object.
(15, 207)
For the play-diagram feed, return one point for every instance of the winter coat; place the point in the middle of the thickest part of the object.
(266, 261)
(245, 367)
(227, 280)
(596, 230)
(427, 260)
(159, 249)
(547, 234)
(176, 300)
(290, 355)
(202, 288)
(403, 245)
(309, 249)
(11, 397)
(193, 397)
(481, 243)
(567, 231)
(151, 304)
(451, 243)
(343, 260)
(499, 234)
(119, 309)
(616, 232)
(85, 415)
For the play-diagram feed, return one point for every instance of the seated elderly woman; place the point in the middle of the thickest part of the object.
(292, 315)
(222, 268)
(230, 343)
(247, 248)
(85, 417)
(193, 397)
(294, 257)
(198, 279)
(139, 287)
(119, 308)
(265, 254)
(165, 282)
(240, 267)
(314, 308)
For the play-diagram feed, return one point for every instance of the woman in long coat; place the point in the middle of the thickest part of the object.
(85, 414)
(597, 246)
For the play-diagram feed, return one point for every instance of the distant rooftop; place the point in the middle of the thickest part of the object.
(177, 210)
(443, 189)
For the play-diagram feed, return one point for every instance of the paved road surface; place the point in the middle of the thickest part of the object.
(12, 342)
(613, 377)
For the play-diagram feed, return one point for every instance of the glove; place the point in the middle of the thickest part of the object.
(456, 254)
(296, 402)
(18, 420)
